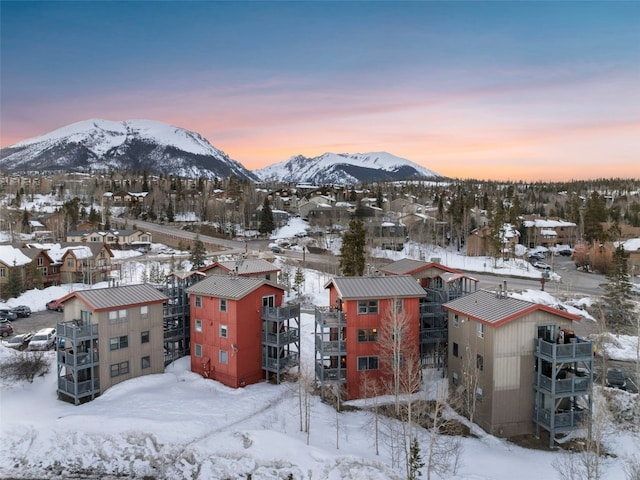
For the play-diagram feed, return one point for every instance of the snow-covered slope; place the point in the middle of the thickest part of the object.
(103, 145)
(344, 168)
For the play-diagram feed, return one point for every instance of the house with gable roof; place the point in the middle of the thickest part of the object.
(11, 257)
(244, 267)
(240, 331)
(348, 351)
(517, 365)
(86, 263)
(108, 335)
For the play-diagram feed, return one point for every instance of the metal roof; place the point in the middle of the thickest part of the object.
(407, 266)
(229, 286)
(497, 308)
(249, 266)
(120, 297)
(377, 287)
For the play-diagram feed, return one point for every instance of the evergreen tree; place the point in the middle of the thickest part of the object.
(32, 276)
(352, 252)
(14, 286)
(25, 221)
(619, 308)
(198, 254)
(94, 217)
(298, 281)
(595, 213)
(266, 218)
(379, 198)
(415, 460)
(170, 213)
(145, 182)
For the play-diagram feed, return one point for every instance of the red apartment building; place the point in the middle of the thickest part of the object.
(349, 332)
(240, 332)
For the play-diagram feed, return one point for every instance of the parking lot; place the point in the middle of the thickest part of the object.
(36, 321)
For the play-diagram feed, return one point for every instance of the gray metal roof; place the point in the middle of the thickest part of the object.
(250, 266)
(121, 297)
(490, 307)
(402, 266)
(229, 286)
(377, 287)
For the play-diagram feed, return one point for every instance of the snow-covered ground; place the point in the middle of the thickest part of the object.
(179, 425)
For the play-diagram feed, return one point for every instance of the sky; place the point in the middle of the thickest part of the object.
(180, 425)
(490, 90)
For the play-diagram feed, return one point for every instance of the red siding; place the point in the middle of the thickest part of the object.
(244, 337)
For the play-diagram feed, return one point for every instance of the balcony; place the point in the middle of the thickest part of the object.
(280, 338)
(433, 335)
(281, 363)
(563, 421)
(325, 374)
(567, 352)
(567, 386)
(281, 313)
(78, 389)
(76, 330)
(330, 347)
(85, 359)
(330, 317)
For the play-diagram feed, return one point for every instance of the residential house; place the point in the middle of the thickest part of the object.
(385, 234)
(547, 232)
(517, 365)
(240, 331)
(108, 335)
(87, 263)
(441, 284)
(480, 241)
(49, 268)
(350, 337)
(632, 248)
(11, 258)
(244, 267)
(124, 238)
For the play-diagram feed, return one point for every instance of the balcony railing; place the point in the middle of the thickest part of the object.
(565, 420)
(281, 313)
(577, 385)
(564, 351)
(78, 389)
(330, 347)
(86, 359)
(328, 316)
(281, 363)
(433, 335)
(281, 338)
(325, 374)
(75, 330)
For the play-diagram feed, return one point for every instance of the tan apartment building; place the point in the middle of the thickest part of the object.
(108, 335)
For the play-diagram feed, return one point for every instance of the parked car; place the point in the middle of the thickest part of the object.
(6, 314)
(565, 253)
(43, 339)
(18, 342)
(541, 265)
(6, 328)
(55, 305)
(22, 311)
(276, 249)
(536, 256)
(616, 378)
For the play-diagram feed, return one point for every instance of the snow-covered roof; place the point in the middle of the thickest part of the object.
(13, 257)
(543, 223)
(548, 233)
(632, 245)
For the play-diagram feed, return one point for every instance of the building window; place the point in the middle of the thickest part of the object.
(3, 272)
(454, 378)
(144, 336)
(118, 369)
(224, 357)
(117, 316)
(223, 331)
(480, 362)
(223, 304)
(145, 362)
(40, 261)
(198, 301)
(397, 305)
(198, 350)
(368, 335)
(269, 301)
(366, 307)
(198, 325)
(367, 363)
(144, 311)
(479, 394)
(455, 349)
(480, 329)
(116, 343)
(456, 320)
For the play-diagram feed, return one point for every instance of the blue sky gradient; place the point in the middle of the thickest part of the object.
(503, 90)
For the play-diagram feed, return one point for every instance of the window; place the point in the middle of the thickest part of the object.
(224, 357)
(118, 369)
(269, 301)
(117, 316)
(367, 363)
(455, 349)
(223, 304)
(116, 343)
(223, 331)
(144, 336)
(198, 350)
(397, 305)
(144, 311)
(454, 378)
(456, 320)
(70, 262)
(480, 362)
(366, 307)
(198, 301)
(145, 362)
(479, 394)
(480, 330)
(368, 335)
(40, 261)
(198, 325)
(3, 272)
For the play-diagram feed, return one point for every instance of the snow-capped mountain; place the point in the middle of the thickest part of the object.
(344, 168)
(103, 146)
